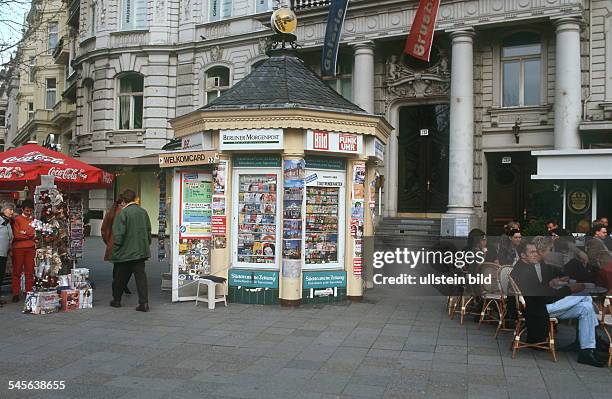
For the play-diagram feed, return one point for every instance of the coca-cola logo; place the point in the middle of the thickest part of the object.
(8, 172)
(68, 173)
(33, 157)
(107, 178)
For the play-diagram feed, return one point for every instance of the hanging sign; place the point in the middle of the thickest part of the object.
(251, 139)
(188, 158)
(333, 31)
(421, 34)
(321, 140)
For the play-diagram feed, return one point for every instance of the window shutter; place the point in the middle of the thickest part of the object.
(140, 13)
(128, 17)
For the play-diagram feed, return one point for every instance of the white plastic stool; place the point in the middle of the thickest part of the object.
(211, 298)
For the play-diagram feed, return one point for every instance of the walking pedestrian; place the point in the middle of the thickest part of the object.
(131, 248)
(6, 240)
(24, 249)
(107, 236)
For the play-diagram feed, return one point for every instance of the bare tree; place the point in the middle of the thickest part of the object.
(22, 29)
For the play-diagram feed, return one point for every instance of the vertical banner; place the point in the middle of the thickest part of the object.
(421, 34)
(293, 197)
(333, 31)
(357, 215)
(219, 216)
(163, 215)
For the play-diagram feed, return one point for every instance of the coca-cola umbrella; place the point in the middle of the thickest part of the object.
(24, 166)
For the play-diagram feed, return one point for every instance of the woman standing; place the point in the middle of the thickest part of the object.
(24, 249)
(6, 240)
(107, 234)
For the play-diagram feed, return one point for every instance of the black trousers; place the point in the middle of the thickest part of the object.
(3, 260)
(122, 276)
(115, 268)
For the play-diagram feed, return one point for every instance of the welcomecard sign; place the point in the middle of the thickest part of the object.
(322, 140)
(251, 139)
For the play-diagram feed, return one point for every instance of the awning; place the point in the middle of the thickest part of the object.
(573, 164)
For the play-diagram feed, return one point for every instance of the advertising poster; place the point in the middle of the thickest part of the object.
(293, 183)
(219, 222)
(196, 198)
(357, 215)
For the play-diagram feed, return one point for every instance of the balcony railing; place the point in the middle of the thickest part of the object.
(61, 53)
(305, 4)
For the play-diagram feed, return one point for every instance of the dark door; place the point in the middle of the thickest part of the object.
(513, 195)
(423, 158)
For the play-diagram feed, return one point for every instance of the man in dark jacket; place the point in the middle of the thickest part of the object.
(548, 294)
(131, 248)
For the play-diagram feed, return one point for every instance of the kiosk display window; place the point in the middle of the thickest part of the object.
(324, 219)
(322, 225)
(257, 219)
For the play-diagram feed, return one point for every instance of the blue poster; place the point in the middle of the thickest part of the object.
(333, 31)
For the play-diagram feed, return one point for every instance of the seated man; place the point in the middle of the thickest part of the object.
(536, 281)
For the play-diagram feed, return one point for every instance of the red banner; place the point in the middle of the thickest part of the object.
(421, 34)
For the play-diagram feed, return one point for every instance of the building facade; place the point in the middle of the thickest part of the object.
(498, 87)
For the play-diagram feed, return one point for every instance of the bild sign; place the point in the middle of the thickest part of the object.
(322, 140)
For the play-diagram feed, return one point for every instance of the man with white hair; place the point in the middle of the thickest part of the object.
(6, 240)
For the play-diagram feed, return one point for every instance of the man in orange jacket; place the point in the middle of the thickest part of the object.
(24, 249)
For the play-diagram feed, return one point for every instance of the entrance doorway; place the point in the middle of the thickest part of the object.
(512, 195)
(423, 158)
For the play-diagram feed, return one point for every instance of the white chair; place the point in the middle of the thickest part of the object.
(211, 297)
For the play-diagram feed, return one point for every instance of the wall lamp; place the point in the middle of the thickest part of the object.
(516, 130)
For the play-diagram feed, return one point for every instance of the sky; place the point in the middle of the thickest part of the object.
(11, 18)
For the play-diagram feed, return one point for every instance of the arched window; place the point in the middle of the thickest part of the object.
(130, 99)
(216, 81)
(521, 61)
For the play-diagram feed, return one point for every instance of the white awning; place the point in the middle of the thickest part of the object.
(573, 164)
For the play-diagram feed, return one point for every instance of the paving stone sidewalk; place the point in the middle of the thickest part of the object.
(389, 346)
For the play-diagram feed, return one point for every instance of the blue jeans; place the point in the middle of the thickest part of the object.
(581, 308)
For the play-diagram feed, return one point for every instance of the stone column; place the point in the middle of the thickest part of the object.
(461, 145)
(567, 84)
(363, 76)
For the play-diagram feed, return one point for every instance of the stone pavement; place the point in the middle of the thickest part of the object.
(389, 346)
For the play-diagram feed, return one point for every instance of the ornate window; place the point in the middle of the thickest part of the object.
(130, 100)
(216, 81)
(51, 93)
(343, 81)
(53, 30)
(93, 4)
(134, 14)
(521, 70)
(88, 112)
(219, 9)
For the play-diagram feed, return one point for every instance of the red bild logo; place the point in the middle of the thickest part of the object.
(348, 142)
(320, 140)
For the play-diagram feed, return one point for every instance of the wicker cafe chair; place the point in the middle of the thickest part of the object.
(490, 294)
(503, 281)
(605, 322)
(468, 295)
(519, 330)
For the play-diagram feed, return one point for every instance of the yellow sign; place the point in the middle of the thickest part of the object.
(284, 20)
(192, 158)
(579, 201)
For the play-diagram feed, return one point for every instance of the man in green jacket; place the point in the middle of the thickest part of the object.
(131, 248)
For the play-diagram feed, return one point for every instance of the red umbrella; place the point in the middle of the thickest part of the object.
(24, 166)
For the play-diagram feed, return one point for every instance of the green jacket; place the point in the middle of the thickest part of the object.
(131, 235)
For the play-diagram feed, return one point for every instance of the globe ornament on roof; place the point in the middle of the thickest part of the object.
(284, 23)
(284, 20)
